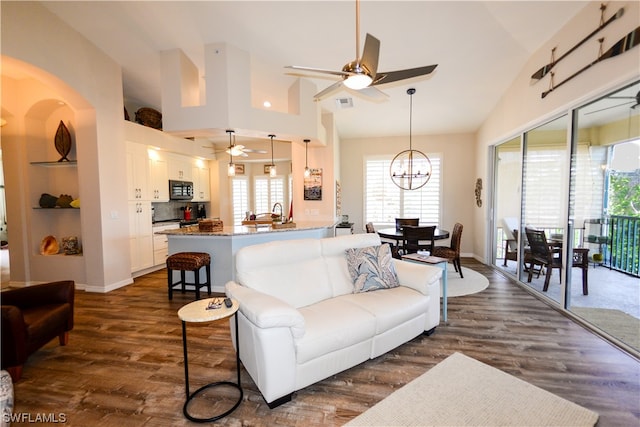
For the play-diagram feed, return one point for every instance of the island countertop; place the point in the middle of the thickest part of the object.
(240, 230)
(223, 245)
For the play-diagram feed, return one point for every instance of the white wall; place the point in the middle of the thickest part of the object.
(458, 176)
(91, 84)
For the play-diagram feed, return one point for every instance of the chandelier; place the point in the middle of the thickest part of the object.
(410, 169)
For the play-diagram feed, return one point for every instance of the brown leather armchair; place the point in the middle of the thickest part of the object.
(31, 317)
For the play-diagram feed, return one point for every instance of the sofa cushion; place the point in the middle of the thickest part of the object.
(332, 325)
(291, 270)
(391, 307)
(333, 253)
(371, 268)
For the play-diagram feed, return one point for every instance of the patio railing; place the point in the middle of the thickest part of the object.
(624, 244)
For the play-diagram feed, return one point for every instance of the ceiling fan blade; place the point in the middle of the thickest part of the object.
(394, 76)
(372, 94)
(319, 70)
(610, 107)
(328, 91)
(370, 55)
(250, 150)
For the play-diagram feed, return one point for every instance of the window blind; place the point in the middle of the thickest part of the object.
(384, 201)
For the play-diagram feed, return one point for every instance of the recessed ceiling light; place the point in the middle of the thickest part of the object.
(266, 104)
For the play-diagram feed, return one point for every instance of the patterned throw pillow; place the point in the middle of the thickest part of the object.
(371, 268)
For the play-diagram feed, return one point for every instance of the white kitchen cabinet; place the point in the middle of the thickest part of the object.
(201, 186)
(159, 177)
(140, 235)
(161, 243)
(137, 172)
(179, 167)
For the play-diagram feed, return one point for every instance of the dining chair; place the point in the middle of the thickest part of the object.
(401, 222)
(394, 249)
(550, 257)
(452, 252)
(511, 248)
(416, 238)
(542, 254)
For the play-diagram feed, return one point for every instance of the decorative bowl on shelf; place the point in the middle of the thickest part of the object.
(49, 246)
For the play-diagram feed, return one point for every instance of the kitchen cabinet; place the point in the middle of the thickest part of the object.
(161, 243)
(137, 172)
(159, 178)
(179, 167)
(140, 235)
(201, 186)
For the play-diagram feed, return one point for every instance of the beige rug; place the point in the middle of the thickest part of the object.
(472, 283)
(617, 323)
(460, 391)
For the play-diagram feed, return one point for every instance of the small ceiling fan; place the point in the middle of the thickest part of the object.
(635, 100)
(362, 74)
(236, 150)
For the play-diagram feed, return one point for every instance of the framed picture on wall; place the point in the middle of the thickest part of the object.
(313, 185)
(239, 168)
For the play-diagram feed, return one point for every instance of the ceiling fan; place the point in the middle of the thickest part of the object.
(635, 100)
(236, 150)
(362, 73)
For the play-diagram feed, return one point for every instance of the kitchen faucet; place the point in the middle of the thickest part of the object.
(275, 205)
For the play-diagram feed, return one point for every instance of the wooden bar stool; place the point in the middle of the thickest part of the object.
(188, 261)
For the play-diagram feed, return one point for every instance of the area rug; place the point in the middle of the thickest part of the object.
(472, 283)
(617, 323)
(461, 391)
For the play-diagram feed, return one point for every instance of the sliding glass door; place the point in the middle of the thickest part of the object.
(544, 195)
(605, 208)
(574, 183)
(507, 194)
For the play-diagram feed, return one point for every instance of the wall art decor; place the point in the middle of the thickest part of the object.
(313, 185)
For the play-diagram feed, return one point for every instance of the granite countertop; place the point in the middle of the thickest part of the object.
(239, 230)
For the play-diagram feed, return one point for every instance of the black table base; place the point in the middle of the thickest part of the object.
(191, 396)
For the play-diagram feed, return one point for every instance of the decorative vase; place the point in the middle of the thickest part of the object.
(70, 245)
(63, 141)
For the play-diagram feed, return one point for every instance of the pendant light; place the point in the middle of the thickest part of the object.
(231, 168)
(272, 168)
(307, 171)
(410, 169)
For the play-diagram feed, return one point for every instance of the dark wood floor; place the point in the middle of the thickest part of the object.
(124, 363)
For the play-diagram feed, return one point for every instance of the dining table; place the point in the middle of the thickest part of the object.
(394, 234)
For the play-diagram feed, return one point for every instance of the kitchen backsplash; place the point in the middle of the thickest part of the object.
(175, 210)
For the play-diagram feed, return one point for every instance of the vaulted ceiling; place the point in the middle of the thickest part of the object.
(479, 46)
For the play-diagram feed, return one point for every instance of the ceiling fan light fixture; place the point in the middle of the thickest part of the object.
(358, 81)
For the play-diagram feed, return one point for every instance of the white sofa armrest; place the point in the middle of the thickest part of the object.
(266, 311)
(420, 277)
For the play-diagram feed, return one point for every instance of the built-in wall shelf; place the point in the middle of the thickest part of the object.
(56, 208)
(70, 163)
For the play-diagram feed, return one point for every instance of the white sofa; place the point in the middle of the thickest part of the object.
(300, 322)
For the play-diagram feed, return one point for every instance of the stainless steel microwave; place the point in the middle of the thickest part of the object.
(180, 190)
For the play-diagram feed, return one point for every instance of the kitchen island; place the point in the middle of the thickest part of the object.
(223, 245)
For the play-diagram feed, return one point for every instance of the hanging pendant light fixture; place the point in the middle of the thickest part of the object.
(410, 169)
(231, 168)
(307, 171)
(272, 168)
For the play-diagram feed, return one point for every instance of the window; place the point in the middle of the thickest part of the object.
(240, 197)
(384, 201)
(268, 191)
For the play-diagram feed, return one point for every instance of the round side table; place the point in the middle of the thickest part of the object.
(198, 311)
